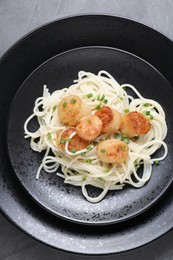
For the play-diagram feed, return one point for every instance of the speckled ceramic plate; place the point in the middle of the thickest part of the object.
(50, 191)
(16, 65)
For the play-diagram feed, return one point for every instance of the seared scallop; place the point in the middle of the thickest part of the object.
(89, 127)
(110, 118)
(75, 142)
(134, 124)
(71, 109)
(112, 151)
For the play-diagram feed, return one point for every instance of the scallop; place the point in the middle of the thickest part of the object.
(110, 118)
(71, 109)
(134, 124)
(89, 127)
(112, 151)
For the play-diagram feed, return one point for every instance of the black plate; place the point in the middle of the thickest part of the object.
(50, 191)
(15, 66)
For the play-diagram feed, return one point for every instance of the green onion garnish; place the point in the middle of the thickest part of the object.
(118, 136)
(88, 147)
(105, 101)
(89, 95)
(135, 162)
(103, 150)
(98, 98)
(147, 113)
(126, 140)
(123, 147)
(73, 100)
(146, 105)
(63, 140)
(95, 142)
(89, 120)
(107, 170)
(64, 104)
(69, 140)
(89, 161)
(98, 107)
(102, 98)
(49, 137)
(73, 150)
(84, 178)
(156, 163)
(54, 108)
(126, 110)
(151, 117)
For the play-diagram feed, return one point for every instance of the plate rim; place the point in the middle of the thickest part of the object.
(8, 52)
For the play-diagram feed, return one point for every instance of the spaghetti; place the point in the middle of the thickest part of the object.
(83, 167)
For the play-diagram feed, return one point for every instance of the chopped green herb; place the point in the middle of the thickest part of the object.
(83, 153)
(84, 178)
(100, 178)
(98, 98)
(124, 88)
(151, 117)
(105, 101)
(89, 161)
(73, 150)
(64, 104)
(73, 101)
(103, 150)
(146, 105)
(147, 113)
(89, 95)
(89, 120)
(54, 108)
(118, 136)
(98, 107)
(88, 147)
(135, 162)
(156, 163)
(123, 147)
(107, 170)
(124, 136)
(63, 140)
(95, 142)
(49, 137)
(126, 140)
(126, 110)
(102, 98)
(69, 140)
(121, 98)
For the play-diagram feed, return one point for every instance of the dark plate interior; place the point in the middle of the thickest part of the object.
(49, 191)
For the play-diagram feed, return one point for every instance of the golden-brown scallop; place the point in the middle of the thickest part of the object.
(134, 124)
(110, 118)
(112, 151)
(76, 142)
(71, 109)
(89, 127)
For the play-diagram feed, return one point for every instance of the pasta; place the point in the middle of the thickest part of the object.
(83, 167)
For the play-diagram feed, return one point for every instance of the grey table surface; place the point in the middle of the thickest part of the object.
(18, 17)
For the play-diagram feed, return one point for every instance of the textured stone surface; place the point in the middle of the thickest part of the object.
(19, 17)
